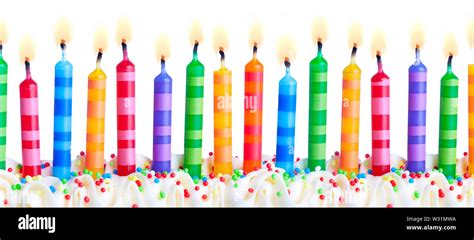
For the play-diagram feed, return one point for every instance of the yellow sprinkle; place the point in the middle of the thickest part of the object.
(130, 177)
(28, 179)
(39, 177)
(361, 181)
(333, 163)
(219, 175)
(107, 180)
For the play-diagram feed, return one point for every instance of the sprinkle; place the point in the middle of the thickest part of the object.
(82, 153)
(196, 188)
(140, 188)
(395, 188)
(393, 169)
(451, 188)
(367, 155)
(112, 156)
(465, 154)
(222, 179)
(28, 179)
(250, 190)
(336, 153)
(236, 185)
(416, 194)
(278, 194)
(369, 171)
(389, 205)
(204, 197)
(322, 197)
(65, 191)
(102, 190)
(134, 205)
(460, 183)
(80, 184)
(459, 196)
(357, 189)
(64, 181)
(18, 186)
(320, 191)
(52, 188)
(211, 154)
(274, 176)
(427, 175)
(411, 180)
(186, 194)
(307, 170)
(172, 175)
(138, 182)
(86, 199)
(115, 171)
(178, 183)
(67, 197)
(5, 201)
(23, 180)
(156, 180)
(162, 194)
(205, 183)
(335, 184)
(433, 183)
(10, 169)
(107, 181)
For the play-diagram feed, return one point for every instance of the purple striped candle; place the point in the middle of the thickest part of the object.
(162, 121)
(416, 115)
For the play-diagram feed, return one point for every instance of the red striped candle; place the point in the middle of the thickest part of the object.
(380, 121)
(30, 137)
(125, 115)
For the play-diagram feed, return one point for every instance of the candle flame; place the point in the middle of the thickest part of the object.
(417, 36)
(124, 30)
(319, 29)
(3, 31)
(195, 33)
(378, 42)
(63, 31)
(100, 40)
(255, 34)
(162, 47)
(450, 46)
(221, 40)
(355, 35)
(470, 33)
(286, 49)
(27, 49)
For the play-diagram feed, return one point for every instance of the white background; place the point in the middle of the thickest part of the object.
(278, 17)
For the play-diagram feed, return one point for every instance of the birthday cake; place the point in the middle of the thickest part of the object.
(266, 187)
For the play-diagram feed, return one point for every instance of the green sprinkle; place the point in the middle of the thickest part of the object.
(320, 191)
(450, 181)
(65, 191)
(13, 187)
(18, 166)
(416, 194)
(18, 186)
(340, 171)
(279, 194)
(234, 177)
(303, 177)
(74, 174)
(395, 188)
(165, 172)
(98, 175)
(162, 194)
(196, 181)
(186, 170)
(353, 175)
(441, 170)
(140, 188)
(111, 163)
(274, 176)
(64, 181)
(236, 185)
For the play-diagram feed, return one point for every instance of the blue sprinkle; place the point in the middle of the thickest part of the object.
(264, 162)
(459, 179)
(204, 179)
(362, 175)
(298, 170)
(369, 171)
(307, 170)
(157, 180)
(291, 175)
(23, 180)
(450, 177)
(109, 175)
(139, 169)
(393, 169)
(242, 176)
(115, 171)
(43, 166)
(52, 189)
(411, 180)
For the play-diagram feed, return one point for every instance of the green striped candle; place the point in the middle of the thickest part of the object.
(448, 121)
(193, 117)
(3, 109)
(317, 111)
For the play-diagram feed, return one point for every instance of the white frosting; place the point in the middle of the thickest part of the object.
(262, 188)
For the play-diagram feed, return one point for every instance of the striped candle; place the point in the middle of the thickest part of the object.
(350, 116)
(162, 121)
(222, 118)
(286, 121)
(470, 72)
(380, 121)
(96, 119)
(30, 135)
(448, 122)
(318, 75)
(125, 115)
(193, 119)
(417, 115)
(3, 109)
(62, 117)
(253, 114)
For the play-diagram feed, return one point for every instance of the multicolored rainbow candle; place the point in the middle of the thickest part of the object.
(3, 107)
(62, 116)
(30, 134)
(193, 119)
(448, 116)
(162, 113)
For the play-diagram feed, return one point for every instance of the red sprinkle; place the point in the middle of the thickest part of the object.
(441, 194)
(47, 164)
(393, 183)
(357, 189)
(331, 180)
(172, 175)
(79, 173)
(418, 175)
(211, 154)
(250, 190)
(367, 155)
(112, 155)
(404, 175)
(80, 184)
(10, 169)
(412, 175)
(149, 175)
(466, 175)
(178, 183)
(352, 183)
(321, 197)
(86, 199)
(5, 201)
(321, 179)
(335, 184)
(158, 175)
(134, 205)
(289, 192)
(277, 171)
(82, 153)
(336, 153)
(465, 154)
(222, 179)
(196, 188)
(297, 159)
(451, 188)
(97, 183)
(67, 197)
(211, 175)
(205, 183)
(204, 197)
(268, 165)
(459, 196)
(138, 182)
(460, 183)
(186, 195)
(427, 175)
(102, 190)
(389, 205)
(76, 180)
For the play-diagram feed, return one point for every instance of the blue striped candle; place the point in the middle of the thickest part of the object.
(162, 121)
(62, 117)
(286, 121)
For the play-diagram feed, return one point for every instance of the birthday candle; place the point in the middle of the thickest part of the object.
(448, 120)
(380, 120)
(194, 117)
(222, 118)
(3, 108)
(162, 121)
(417, 115)
(286, 121)
(62, 117)
(30, 135)
(470, 72)
(317, 110)
(350, 116)
(125, 114)
(96, 118)
(253, 113)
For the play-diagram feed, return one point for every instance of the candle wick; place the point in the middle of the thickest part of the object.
(354, 52)
(255, 49)
(287, 65)
(99, 58)
(1, 49)
(124, 49)
(163, 63)
(221, 52)
(195, 49)
(63, 48)
(27, 68)
(417, 54)
(379, 61)
(320, 47)
(450, 60)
